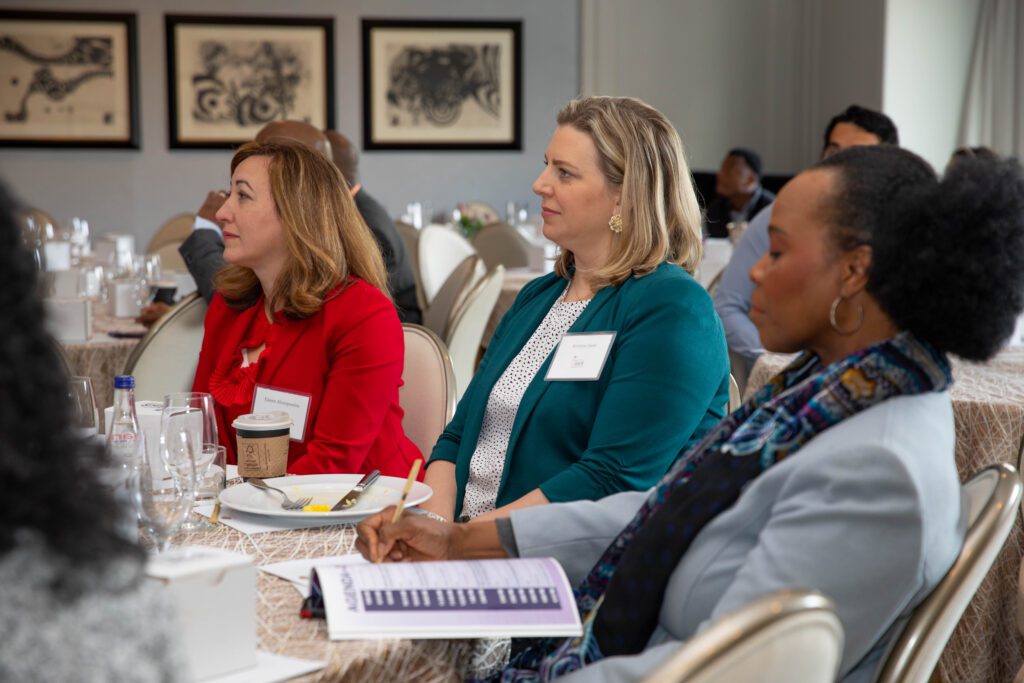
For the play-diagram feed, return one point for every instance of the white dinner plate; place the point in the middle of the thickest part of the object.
(326, 489)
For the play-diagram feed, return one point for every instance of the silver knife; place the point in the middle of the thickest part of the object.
(352, 496)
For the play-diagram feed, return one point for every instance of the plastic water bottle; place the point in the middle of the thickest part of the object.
(124, 439)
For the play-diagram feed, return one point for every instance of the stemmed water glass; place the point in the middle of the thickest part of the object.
(166, 483)
(194, 411)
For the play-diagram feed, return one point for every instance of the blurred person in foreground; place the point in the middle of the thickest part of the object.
(75, 606)
(838, 475)
(303, 308)
(616, 197)
(855, 126)
(739, 195)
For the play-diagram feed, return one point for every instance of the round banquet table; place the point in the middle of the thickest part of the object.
(102, 357)
(988, 409)
(280, 630)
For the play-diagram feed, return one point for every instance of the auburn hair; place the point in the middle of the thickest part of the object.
(327, 239)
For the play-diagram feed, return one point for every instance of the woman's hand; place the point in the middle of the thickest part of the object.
(413, 538)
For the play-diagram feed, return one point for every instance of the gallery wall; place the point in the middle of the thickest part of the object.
(136, 190)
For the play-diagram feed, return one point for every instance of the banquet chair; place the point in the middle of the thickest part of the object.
(992, 496)
(170, 258)
(411, 238)
(440, 250)
(427, 394)
(717, 252)
(502, 244)
(466, 331)
(175, 230)
(438, 316)
(165, 359)
(41, 219)
(735, 398)
(791, 636)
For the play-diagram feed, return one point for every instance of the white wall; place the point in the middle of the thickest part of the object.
(928, 47)
(766, 74)
(137, 190)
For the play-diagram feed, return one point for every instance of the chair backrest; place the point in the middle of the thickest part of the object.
(175, 229)
(170, 258)
(735, 398)
(428, 387)
(441, 249)
(165, 359)
(717, 252)
(467, 328)
(993, 497)
(453, 292)
(786, 637)
(411, 238)
(501, 244)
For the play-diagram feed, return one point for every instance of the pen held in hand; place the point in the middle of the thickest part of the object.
(405, 494)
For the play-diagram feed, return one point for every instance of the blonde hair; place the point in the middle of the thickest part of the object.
(641, 154)
(326, 237)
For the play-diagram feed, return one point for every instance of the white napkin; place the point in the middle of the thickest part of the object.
(297, 572)
(270, 668)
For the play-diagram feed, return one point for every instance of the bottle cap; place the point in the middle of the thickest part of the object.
(124, 382)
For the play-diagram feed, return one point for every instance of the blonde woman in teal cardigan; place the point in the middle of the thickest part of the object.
(555, 413)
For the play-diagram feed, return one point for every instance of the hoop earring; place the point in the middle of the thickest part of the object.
(615, 223)
(832, 317)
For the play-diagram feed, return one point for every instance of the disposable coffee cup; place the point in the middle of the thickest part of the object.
(262, 440)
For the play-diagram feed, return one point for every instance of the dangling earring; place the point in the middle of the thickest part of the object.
(615, 223)
(832, 317)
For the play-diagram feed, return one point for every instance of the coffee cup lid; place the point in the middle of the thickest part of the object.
(277, 419)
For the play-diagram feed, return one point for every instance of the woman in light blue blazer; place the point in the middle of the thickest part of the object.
(604, 371)
(838, 475)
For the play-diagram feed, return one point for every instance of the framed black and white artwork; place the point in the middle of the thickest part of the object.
(68, 79)
(442, 84)
(228, 76)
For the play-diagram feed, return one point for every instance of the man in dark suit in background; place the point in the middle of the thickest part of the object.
(739, 192)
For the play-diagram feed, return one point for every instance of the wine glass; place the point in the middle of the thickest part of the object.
(165, 485)
(194, 413)
(84, 415)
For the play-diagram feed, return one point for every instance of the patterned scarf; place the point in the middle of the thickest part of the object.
(622, 596)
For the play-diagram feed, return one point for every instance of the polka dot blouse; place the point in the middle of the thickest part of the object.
(488, 461)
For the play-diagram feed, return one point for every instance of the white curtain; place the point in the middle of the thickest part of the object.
(993, 112)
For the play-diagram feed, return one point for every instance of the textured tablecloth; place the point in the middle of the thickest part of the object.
(103, 356)
(279, 628)
(988, 407)
(515, 280)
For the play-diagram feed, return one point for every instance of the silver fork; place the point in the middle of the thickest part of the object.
(288, 503)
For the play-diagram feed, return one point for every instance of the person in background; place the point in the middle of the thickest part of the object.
(739, 192)
(401, 281)
(855, 126)
(302, 308)
(616, 197)
(838, 475)
(75, 606)
(203, 250)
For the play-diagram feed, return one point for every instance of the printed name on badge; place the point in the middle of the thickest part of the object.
(296, 404)
(580, 357)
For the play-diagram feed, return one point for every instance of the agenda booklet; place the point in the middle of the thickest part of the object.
(522, 597)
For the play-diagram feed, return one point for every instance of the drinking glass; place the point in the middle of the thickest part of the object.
(166, 484)
(210, 483)
(193, 412)
(84, 415)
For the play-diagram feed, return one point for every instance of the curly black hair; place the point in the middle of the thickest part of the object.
(948, 256)
(50, 475)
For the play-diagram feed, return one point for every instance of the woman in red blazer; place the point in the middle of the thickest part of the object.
(302, 309)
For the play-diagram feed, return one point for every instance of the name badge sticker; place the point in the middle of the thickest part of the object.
(296, 404)
(580, 357)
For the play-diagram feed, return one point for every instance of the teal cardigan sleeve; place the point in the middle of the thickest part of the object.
(447, 446)
(669, 384)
